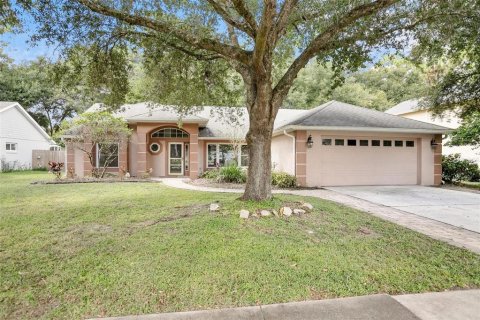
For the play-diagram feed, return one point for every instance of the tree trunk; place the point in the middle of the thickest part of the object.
(259, 181)
(259, 139)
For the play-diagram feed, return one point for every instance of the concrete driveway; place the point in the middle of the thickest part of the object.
(457, 208)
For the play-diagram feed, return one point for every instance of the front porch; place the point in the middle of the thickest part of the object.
(164, 150)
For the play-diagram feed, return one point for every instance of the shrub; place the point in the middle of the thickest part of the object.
(283, 180)
(212, 174)
(232, 174)
(456, 169)
(7, 166)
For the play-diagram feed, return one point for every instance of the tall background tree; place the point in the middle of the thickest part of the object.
(266, 43)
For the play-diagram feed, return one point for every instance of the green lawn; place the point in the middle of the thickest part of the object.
(85, 250)
(471, 185)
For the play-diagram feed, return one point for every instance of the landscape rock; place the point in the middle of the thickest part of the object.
(307, 206)
(299, 211)
(244, 214)
(275, 213)
(214, 207)
(286, 211)
(265, 213)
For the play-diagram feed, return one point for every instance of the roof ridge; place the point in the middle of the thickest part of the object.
(310, 112)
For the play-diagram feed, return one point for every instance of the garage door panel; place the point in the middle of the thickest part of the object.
(362, 165)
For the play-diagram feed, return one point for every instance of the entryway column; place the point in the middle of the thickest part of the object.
(141, 150)
(437, 161)
(194, 155)
(87, 166)
(301, 158)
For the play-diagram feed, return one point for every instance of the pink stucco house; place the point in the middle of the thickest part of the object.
(330, 145)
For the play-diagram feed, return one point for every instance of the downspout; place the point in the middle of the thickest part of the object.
(293, 153)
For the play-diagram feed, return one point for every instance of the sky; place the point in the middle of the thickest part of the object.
(19, 47)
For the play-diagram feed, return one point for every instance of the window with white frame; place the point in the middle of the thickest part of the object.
(223, 154)
(107, 155)
(11, 146)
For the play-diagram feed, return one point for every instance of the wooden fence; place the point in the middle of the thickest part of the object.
(40, 158)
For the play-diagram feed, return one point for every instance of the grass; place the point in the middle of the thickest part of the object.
(84, 250)
(471, 185)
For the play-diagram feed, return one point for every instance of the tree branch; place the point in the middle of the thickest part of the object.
(322, 41)
(205, 43)
(242, 9)
(263, 34)
(283, 17)
(242, 26)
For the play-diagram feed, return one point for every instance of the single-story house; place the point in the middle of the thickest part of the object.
(19, 135)
(411, 109)
(333, 144)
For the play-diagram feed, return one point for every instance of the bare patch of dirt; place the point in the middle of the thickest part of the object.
(181, 212)
(90, 228)
(364, 231)
(320, 294)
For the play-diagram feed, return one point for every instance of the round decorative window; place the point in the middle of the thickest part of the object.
(155, 147)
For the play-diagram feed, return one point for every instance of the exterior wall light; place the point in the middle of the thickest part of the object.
(309, 141)
(433, 143)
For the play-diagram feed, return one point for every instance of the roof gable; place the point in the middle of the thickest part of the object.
(4, 106)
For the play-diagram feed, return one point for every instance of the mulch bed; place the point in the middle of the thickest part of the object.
(212, 184)
(91, 180)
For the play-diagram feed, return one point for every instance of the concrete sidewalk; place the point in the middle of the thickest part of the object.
(452, 305)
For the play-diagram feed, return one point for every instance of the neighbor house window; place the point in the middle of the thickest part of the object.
(387, 143)
(352, 142)
(398, 143)
(364, 143)
(339, 142)
(107, 155)
(11, 146)
(375, 143)
(326, 142)
(410, 143)
(222, 155)
(169, 133)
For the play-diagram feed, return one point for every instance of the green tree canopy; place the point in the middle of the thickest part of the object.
(381, 86)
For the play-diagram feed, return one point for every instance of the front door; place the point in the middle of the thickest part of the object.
(175, 158)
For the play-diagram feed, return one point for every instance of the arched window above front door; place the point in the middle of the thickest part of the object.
(169, 133)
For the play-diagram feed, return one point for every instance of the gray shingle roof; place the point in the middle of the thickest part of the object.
(338, 114)
(215, 122)
(232, 122)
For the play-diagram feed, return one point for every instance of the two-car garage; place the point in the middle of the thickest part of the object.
(362, 160)
(339, 144)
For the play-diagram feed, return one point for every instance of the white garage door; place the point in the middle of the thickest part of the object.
(372, 161)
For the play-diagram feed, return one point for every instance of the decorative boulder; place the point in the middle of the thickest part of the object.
(214, 207)
(265, 213)
(299, 211)
(286, 211)
(275, 213)
(244, 214)
(307, 206)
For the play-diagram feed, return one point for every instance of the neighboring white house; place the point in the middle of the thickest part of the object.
(19, 135)
(410, 109)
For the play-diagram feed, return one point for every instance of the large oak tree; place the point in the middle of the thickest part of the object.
(266, 42)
